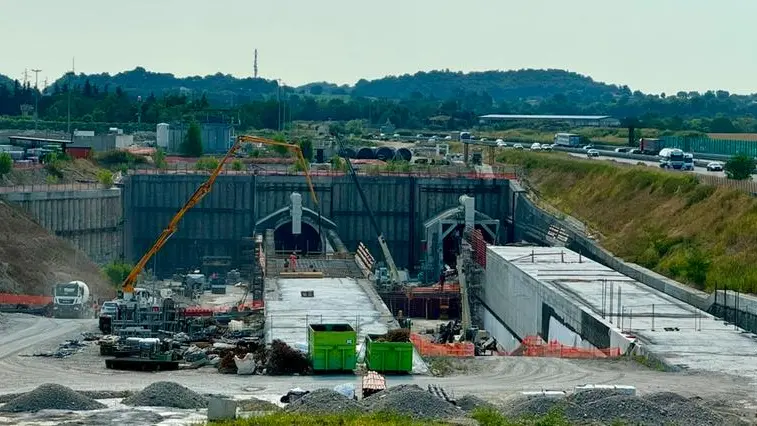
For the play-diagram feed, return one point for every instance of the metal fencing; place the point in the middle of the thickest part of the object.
(74, 186)
(748, 186)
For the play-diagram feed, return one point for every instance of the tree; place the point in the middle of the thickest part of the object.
(6, 163)
(160, 159)
(316, 89)
(192, 145)
(281, 150)
(117, 271)
(105, 177)
(722, 125)
(739, 167)
(354, 127)
(237, 165)
(306, 145)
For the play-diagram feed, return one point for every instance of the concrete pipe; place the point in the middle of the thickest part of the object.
(348, 153)
(385, 153)
(403, 154)
(366, 154)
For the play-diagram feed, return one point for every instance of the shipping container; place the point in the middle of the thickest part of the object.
(388, 357)
(705, 145)
(79, 152)
(332, 347)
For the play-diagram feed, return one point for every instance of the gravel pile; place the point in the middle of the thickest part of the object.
(470, 403)
(537, 406)
(589, 396)
(411, 400)
(167, 394)
(324, 401)
(686, 411)
(51, 397)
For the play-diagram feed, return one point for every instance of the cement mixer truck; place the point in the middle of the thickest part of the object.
(72, 300)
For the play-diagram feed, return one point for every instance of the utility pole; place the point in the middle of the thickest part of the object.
(255, 66)
(36, 96)
(278, 100)
(73, 70)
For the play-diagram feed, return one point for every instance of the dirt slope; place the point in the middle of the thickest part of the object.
(32, 259)
(669, 222)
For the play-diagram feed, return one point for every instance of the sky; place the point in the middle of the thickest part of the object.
(650, 45)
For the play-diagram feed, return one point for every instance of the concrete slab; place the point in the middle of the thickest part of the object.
(335, 300)
(676, 333)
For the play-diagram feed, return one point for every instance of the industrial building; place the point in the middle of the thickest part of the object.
(570, 120)
(217, 138)
(114, 139)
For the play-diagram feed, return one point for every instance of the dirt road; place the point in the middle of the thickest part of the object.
(493, 378)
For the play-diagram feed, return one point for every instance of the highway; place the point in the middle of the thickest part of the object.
(651, 163)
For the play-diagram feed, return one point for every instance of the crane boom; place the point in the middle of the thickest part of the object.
(393, 272)
(128, 283)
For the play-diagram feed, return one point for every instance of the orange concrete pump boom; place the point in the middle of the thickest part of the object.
(128, 285)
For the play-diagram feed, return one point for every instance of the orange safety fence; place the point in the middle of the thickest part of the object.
(22, 299)
(428, 348)
(534, 346)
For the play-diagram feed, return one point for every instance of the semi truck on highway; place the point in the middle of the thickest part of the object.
(672, 158)
(72, 300)
(688, 161)
(649, 146)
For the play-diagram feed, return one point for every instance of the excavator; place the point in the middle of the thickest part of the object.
(127, 287)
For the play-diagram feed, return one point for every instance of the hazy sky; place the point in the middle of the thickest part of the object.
(651, 45)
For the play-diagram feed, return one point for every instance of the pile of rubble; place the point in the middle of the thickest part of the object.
(51, 397)
(167, 394)
(411, 400)
(607, 406)
(65, 350)
(324, 401)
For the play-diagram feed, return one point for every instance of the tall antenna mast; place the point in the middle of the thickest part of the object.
(73, 71)
(255, 68)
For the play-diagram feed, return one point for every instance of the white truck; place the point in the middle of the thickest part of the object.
(671, 158)
(688, 161)
(72, 300)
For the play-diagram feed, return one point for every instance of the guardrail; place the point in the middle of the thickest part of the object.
(625, 155)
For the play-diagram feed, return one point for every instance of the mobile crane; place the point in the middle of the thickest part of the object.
(127, 287)
(394, 276)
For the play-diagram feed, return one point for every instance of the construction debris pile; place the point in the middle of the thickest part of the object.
(324, 401)
(411, 400)
(65, 350)
(167, 394)
(51, 397)
(601, 406)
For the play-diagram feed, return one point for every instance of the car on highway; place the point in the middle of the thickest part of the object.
(621, 150)
(714, 166)
(634, 151)
(518, 146)
(592, 153)
(588, 147)
(536, 146)
(547, 147)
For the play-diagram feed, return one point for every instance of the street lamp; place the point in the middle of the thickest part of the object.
(36, 96)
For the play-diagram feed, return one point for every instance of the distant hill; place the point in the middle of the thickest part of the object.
(500, 85)
(7, 81)
(219, 88)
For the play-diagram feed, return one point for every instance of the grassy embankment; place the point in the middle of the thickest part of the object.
(484, 417)
(669, 222)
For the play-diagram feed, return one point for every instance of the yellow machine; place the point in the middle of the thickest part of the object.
(128, 285)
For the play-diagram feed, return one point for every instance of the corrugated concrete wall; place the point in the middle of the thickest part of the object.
(229, 213)
(91, 220)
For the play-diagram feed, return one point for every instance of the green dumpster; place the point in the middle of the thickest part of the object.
(388, 357)
(332, 347)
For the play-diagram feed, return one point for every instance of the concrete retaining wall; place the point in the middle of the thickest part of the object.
(218, 225)
(527, 306)
(91, 220)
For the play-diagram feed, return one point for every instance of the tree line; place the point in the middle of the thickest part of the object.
(718, 112)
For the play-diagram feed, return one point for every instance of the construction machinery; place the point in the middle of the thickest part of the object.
(391, 274)
(128, 284)
(72, 300)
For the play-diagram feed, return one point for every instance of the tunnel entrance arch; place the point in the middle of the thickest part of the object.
(309, 240)
(443, 234)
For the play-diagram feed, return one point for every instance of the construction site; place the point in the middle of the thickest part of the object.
(426, 294)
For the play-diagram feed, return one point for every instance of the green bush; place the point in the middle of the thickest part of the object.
(6, 163)
(105, 177)
(237, 165)
(119, 160)
(160, 159)
(117, 271)
(206, 163)
(192, 144)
